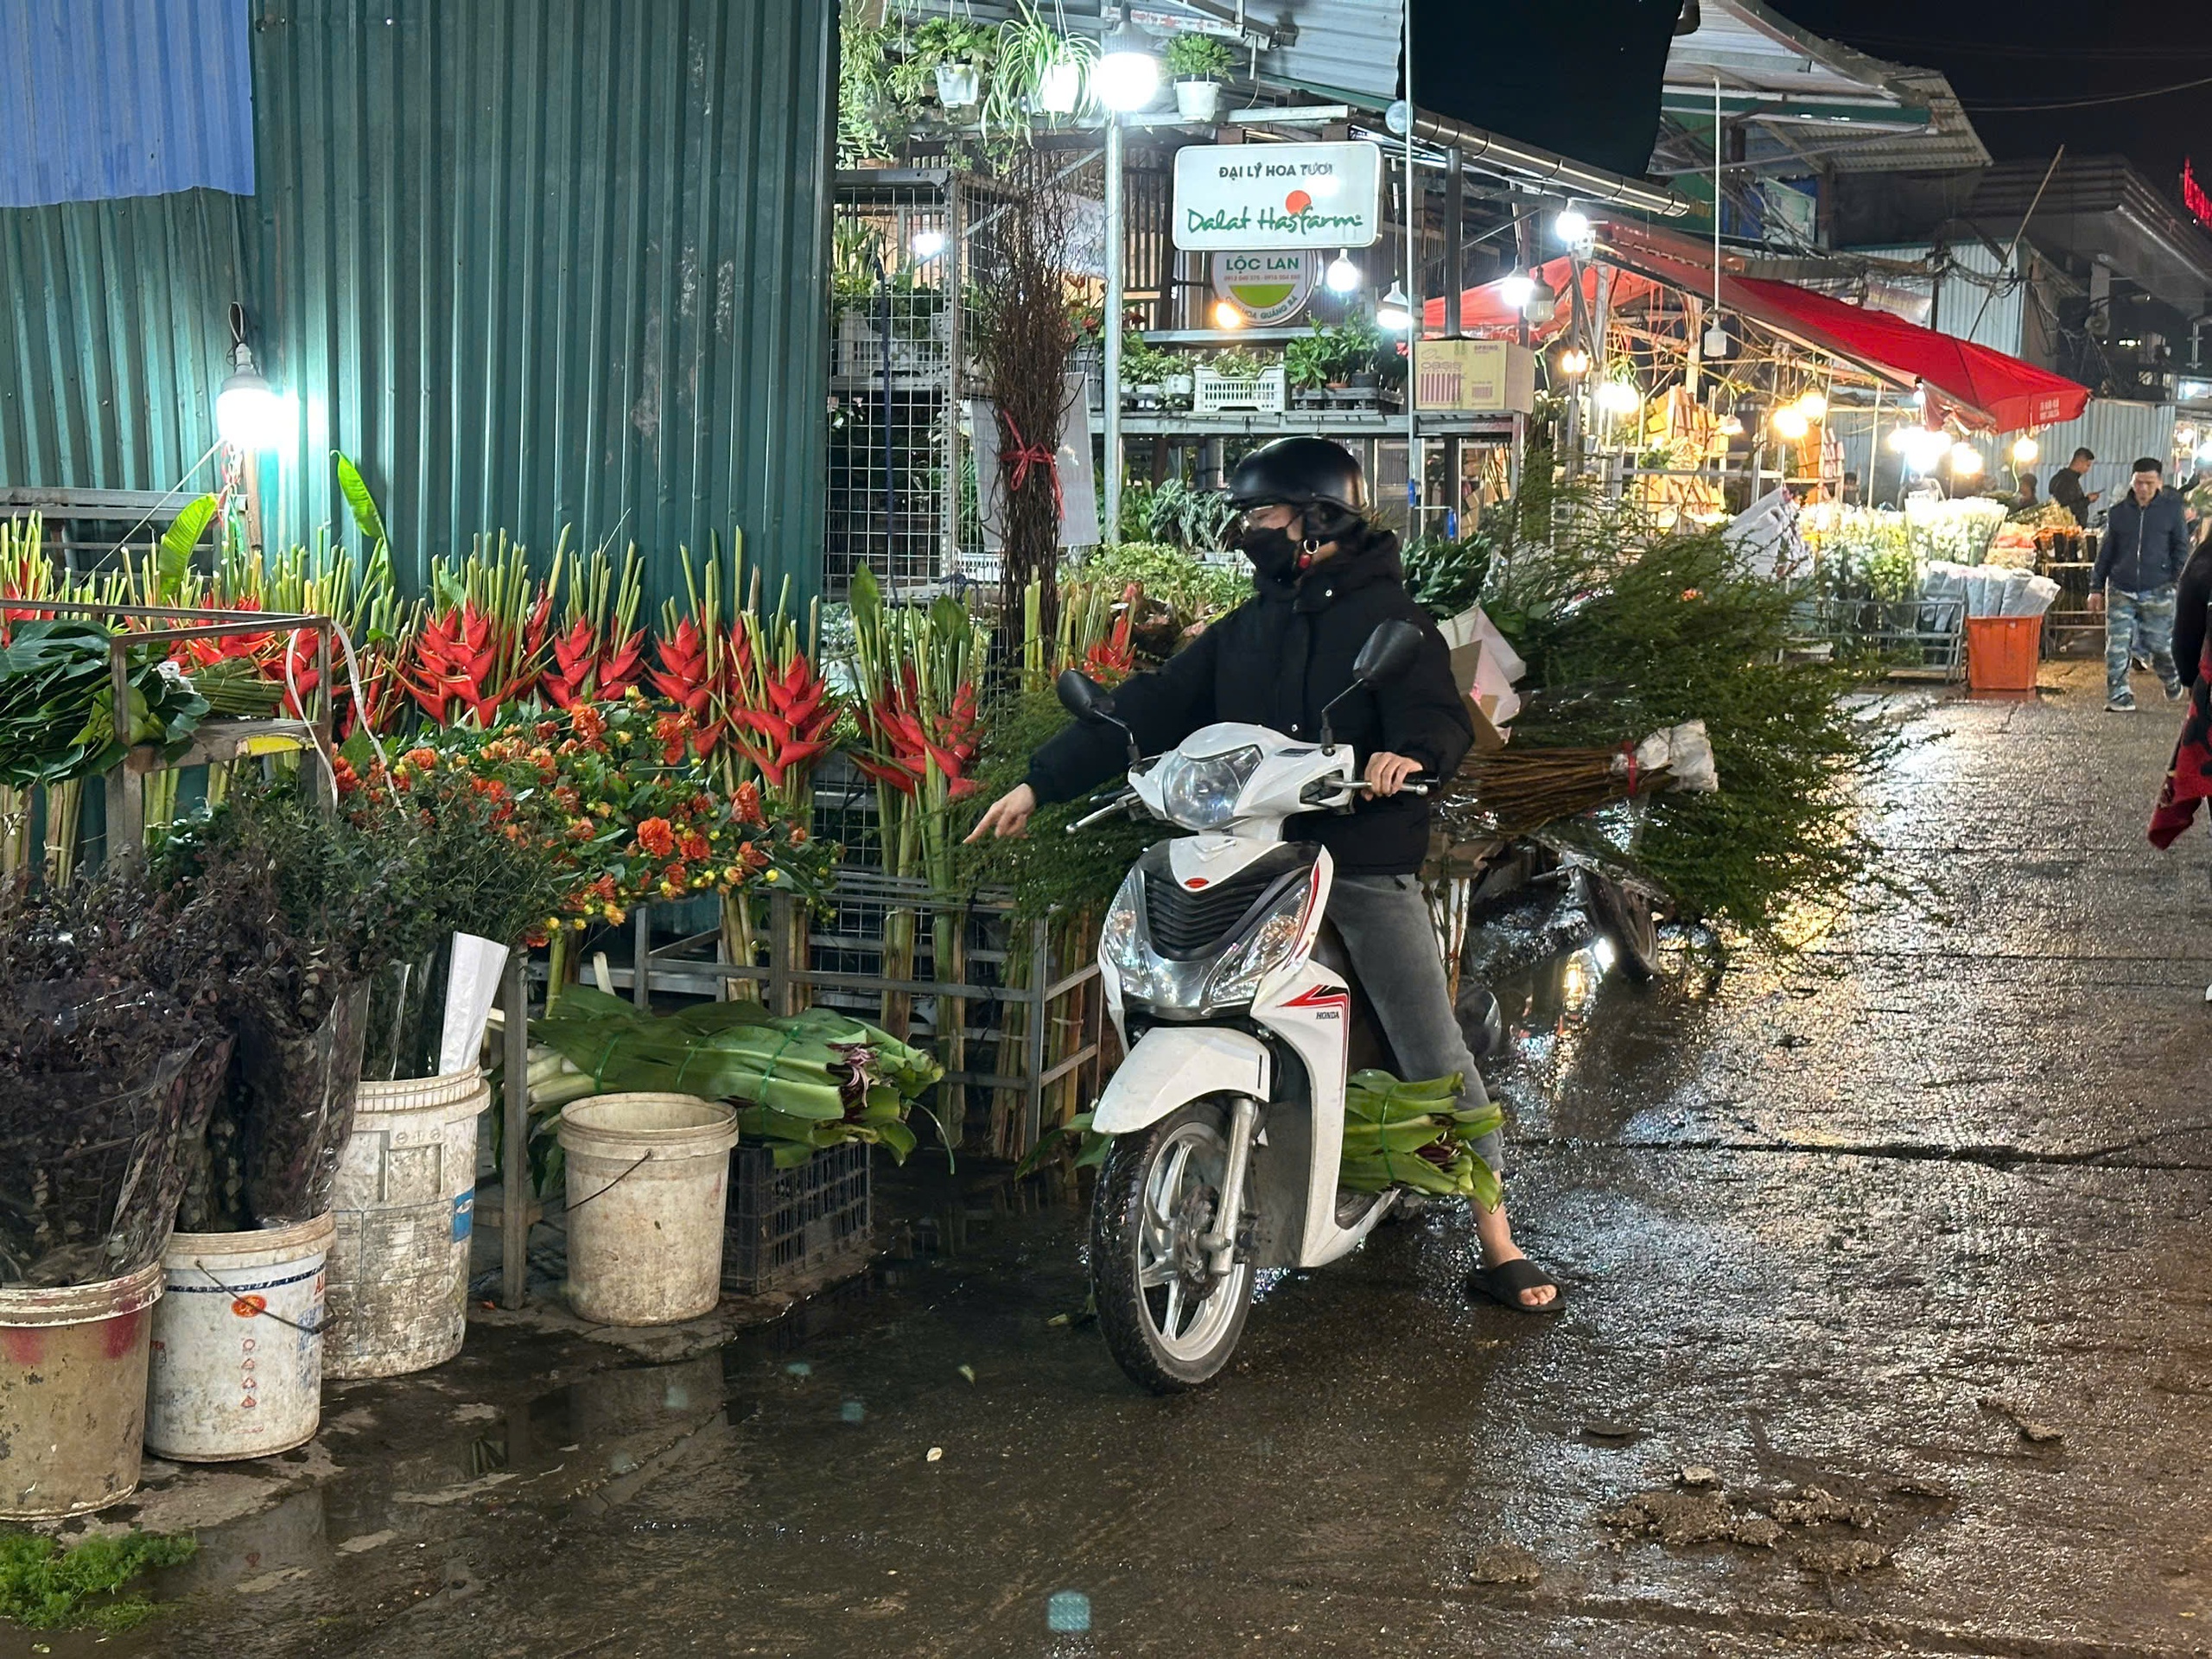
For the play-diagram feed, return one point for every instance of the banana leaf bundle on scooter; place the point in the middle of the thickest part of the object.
(1413, 1135)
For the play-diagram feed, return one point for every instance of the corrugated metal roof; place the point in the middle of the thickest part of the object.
(1949, 143)
(1750, 47)
(123, 98)
(560, 265)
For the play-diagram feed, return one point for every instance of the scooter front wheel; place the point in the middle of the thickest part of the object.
(1170, 1321)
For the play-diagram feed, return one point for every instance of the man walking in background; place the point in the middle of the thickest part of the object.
(2066, 487)
(2145, 544)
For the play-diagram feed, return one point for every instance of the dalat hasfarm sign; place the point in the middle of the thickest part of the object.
(1255, 196)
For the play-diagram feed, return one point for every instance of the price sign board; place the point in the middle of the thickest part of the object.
(1265, 196)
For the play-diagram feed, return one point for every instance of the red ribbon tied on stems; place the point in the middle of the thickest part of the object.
(1025, 454)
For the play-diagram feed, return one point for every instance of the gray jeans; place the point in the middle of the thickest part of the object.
(1394, 950)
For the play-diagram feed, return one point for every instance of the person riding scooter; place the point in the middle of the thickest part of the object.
(1323, 579)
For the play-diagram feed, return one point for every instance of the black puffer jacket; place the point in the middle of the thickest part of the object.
(1275, 661)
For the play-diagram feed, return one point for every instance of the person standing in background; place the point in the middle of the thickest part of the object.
(2066, 487)
(2024, 499)
(2144, 546)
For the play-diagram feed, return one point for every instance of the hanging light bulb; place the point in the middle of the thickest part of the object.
(1542, 301)
(1516, 287)
(1128, 75)
(1574, 361)
(1717, 343)
(1731, 426)
(1573, 223)
(2024, 450)
(1814, 406)
(1396, 312)
(927, 244)
(249, 414)
(1226, 315)
(1789, 422)
(1619, 397)
(1343, 276)
(1966, 461)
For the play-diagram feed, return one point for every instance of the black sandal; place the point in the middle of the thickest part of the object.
(1503, 1284)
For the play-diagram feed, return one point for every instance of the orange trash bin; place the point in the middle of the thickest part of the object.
(2002, 653)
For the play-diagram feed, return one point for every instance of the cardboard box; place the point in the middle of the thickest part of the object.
(1483, 376)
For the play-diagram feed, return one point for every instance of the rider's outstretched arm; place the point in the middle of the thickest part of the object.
(1162, 708)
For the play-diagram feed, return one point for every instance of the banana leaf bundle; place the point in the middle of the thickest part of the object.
(57, 718)
(801, 1082)
(1399, 1134)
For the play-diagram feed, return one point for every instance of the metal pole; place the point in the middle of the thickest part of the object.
(1110, 335)
(514, 1183)
(1455, 248)
(1413, 302)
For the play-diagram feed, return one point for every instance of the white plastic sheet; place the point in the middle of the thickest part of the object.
(471, 989)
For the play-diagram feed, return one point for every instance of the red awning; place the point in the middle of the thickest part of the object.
(1484, 311)
(1983, 387)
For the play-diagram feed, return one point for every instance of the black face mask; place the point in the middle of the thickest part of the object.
(1272, 553)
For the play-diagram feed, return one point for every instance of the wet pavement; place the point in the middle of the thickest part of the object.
(1887, 1333)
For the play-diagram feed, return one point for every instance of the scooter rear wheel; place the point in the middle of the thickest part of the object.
(1170, 1323)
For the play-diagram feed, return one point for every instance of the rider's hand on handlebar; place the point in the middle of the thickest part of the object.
(1386, 773)
(1007, 816)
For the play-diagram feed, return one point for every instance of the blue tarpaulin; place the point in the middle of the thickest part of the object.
(124, 98)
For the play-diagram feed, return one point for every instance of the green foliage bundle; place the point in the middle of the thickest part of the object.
(1047, 868)
(1194, 591)
(1626, 630)
(44, 1587)
(1446, 575)
(57, 703)
(1193, 519)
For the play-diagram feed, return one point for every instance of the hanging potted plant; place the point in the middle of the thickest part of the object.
(1040, 68)
(1198, 63)
(956, 51)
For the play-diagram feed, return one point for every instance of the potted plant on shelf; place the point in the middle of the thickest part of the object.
(1198, 63)
(1308, 362)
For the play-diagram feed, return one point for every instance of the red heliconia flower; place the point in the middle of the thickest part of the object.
(572, 679)
(620, 666)
(681, 677)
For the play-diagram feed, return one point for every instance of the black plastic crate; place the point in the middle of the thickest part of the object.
(802, 1224)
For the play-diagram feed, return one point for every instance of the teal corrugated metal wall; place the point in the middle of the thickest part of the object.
(114, 318)
(559, 264)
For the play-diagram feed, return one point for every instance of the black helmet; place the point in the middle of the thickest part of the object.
(1299, 472)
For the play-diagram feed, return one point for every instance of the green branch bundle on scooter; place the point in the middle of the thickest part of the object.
(802, 1082)
(1413, 1135)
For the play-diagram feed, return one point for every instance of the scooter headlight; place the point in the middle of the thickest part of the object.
(1200, 792)
(1271, 944)
(1122, 941)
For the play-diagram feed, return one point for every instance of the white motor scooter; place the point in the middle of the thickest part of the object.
(1239, 1021)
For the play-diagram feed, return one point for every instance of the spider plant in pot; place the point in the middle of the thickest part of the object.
(1199, 64)
(1040, 68)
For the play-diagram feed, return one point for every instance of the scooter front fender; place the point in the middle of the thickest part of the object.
(1172, 1066)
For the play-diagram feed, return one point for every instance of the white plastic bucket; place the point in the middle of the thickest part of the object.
(237, 1364)
(404, 1202)
(648, 1180)
(73, 1394)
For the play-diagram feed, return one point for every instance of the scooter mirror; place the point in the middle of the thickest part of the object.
(1084, 697)
(1388, 653)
